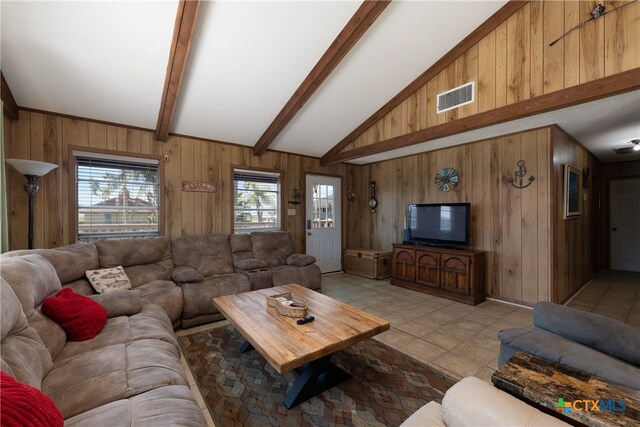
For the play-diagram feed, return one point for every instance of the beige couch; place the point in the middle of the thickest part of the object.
(184, 275)
(212, 265)
(473, 402)
(129, 374)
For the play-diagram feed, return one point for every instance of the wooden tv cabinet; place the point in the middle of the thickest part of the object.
(455, 274)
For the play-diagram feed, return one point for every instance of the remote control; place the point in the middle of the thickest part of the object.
(305, 320)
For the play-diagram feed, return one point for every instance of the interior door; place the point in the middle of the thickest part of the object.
(324, 221)
(625, 224)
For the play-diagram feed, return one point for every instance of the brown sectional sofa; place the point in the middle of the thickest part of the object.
(130, 373)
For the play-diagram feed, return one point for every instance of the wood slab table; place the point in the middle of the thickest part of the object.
(576, 397)
(305, 348)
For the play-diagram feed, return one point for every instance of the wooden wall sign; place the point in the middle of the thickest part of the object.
(199, 186)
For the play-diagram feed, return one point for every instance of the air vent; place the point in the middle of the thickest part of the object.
(457, 97)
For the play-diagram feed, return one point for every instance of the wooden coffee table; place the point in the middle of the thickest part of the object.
(306, 348)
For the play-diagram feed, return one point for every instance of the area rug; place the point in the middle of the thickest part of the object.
(242, 389)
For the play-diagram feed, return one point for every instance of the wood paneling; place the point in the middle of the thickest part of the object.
(511, 225)
(48, 137)
(574, 238)
(512, 63)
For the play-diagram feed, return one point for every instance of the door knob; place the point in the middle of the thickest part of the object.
(308, 233)
(614, 229)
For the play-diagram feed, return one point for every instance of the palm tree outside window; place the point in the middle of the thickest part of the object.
(256, 201)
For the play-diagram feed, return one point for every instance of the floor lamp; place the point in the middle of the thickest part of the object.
(32, 170)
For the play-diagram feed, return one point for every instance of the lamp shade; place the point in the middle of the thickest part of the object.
(31, 167)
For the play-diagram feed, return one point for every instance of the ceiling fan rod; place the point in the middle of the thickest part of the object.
(597, 12)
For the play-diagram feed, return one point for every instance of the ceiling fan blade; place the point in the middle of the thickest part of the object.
(623, 150)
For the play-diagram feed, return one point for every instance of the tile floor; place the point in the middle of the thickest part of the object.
(613, 294)
(456, 338)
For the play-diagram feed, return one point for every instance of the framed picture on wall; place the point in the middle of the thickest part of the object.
(571, 191)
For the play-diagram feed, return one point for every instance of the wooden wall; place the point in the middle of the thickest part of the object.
(515, 63)
(47, 137)
(513, 226)
(576, 241)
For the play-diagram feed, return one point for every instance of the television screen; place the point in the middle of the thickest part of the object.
(445, 224)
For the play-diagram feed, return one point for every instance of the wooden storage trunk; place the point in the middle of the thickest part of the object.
(371, 263)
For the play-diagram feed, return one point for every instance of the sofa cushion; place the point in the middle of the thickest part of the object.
(240, 247)
(164, 293)
(33, 278)
(593, 330)
(108, 280)
(70, 262)
(272, 247)
(119, 303)
(24, 355)
(300, 260)
(209, 254)
(144, 260)
(428, 415)
(249, 264)
(557, 349)
(186, 274)
(198, 296)
(309, 276)
(23, 405)
(94, 378)
(129, 252)
(150, 323)
(81, 317)
(490, 407)
(165, 406)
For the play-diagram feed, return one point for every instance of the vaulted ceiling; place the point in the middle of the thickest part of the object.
(108, 61)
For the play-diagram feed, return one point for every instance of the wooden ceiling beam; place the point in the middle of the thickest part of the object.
(359, 23)
(183, 29)
(474, 37)
(10, 106)
(586, 92)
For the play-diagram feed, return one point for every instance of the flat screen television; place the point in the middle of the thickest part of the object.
(439, 224)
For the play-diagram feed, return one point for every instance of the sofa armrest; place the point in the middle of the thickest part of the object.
(249, 264)
(185, 274)
(473, 402)
(602, 333)
(428, 415)
(119, 303)
(300, 260)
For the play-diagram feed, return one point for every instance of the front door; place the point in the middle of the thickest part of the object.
(323, 221)
(625, 224)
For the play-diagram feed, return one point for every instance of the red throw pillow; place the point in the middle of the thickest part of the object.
(23, 405)
(81, 317)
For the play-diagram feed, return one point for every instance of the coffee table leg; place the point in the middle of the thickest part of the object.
(314, 378)
(245, 347)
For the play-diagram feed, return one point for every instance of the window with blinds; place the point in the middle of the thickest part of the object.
(256, 201)
(116, 196)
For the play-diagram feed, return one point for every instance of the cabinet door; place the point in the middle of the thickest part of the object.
(428, 268)
(404, 264)
(455, 274)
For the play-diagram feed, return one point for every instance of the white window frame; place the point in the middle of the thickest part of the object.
(83, 158)
(259, 176)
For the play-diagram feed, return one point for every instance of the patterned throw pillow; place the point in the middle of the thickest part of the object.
(108, 279)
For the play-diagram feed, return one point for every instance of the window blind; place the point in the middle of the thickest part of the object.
(116, 196)
(256, 201)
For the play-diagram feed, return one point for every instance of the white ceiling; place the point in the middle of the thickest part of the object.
(100, 60)
(107, 61)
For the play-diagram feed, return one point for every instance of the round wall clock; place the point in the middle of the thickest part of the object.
(446, 179)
